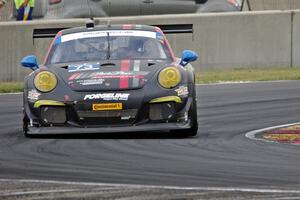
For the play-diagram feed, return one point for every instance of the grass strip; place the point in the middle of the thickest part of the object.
(251, 74)
(6, 87)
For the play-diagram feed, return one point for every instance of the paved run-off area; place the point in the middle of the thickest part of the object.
(219, 158)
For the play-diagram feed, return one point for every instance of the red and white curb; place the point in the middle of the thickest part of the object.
(252, 134)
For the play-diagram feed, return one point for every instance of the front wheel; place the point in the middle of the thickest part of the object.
(193, 116)
(25, 125)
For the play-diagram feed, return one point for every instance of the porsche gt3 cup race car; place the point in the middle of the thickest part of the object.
(115, 78)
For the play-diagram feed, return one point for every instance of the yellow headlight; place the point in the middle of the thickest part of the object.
(169, 77)
(45, 81)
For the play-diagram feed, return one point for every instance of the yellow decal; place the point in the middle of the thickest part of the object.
(47, 103)
(107, 106)
(166, 99)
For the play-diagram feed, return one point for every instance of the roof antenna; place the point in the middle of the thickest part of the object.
(90, 23)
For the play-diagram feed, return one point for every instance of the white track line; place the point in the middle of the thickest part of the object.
(13, 93)
(243, 82)
(251, 135)
(6, 194)
(133, 186)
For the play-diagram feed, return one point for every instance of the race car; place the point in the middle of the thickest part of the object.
(114, 78)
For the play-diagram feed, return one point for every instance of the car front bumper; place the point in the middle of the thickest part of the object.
(116, 129)
(139, 114)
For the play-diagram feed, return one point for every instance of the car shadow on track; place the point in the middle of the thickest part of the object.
(135, 135)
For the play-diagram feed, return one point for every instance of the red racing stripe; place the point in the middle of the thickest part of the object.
(127, 26)
(124, 80)
(74, 76)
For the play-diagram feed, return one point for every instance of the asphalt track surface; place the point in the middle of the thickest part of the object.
(219, 156)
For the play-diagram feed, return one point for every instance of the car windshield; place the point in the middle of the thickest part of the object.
(108, 45)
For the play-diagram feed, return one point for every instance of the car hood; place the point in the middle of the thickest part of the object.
(111, 75)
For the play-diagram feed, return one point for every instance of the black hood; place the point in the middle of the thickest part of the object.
(109, 75)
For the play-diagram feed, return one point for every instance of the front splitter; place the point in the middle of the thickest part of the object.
(119, 129)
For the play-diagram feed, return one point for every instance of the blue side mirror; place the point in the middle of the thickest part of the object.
(188, 56)
(30, 62)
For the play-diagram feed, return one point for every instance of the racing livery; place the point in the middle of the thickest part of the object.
(115, 78)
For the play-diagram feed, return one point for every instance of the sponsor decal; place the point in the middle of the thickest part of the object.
(108, 96)
(107, 106)
(116, 74)
(93, 34)
(99, 81)
(33, 95)
(83, 67)
(182, 91)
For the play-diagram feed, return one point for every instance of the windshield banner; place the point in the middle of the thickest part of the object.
(92, 34)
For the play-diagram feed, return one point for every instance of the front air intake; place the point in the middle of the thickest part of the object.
(53, 114)
(161, 111)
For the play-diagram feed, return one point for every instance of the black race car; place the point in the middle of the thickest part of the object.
(115, 78)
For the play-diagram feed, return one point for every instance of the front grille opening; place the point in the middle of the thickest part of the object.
(53, 114)
(111, 117)
(161, 111)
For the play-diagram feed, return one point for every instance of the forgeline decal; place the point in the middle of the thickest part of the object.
(83, 67)
(182, 91)
(290, 135)
(33, 95)
(108, 96)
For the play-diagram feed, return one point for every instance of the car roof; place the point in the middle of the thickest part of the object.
(111, 27)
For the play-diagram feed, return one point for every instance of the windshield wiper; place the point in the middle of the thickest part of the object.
(108, 47)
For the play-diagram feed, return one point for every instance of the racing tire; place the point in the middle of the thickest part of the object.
(194, 128)
(25, 126)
